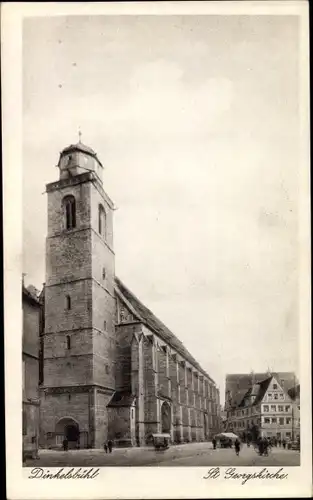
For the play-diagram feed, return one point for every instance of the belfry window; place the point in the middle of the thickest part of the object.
(102, 221)
(69, 207)
(68, 342)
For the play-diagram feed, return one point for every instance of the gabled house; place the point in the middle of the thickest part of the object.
(266, 409)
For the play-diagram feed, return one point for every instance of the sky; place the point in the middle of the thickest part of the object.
(196, 120)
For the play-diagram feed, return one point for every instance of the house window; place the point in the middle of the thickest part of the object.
(266, 408)
(273, 407)
(281, 421)
(287, 408)
(274, 420)
(274, 386)
(275, 396)
(280, 408)
(267, 420)
(269, 396)
(68, 342)
(288, 434)
(69, 207)
(68, 302)
(288, 420)
(281, 396)
(101, 220)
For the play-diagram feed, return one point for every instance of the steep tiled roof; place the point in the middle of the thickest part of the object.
(237, 382)
(263, 388)
(148, 318)
(258, 390)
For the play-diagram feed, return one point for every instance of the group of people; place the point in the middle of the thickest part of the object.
(108, 446)
(236, 444)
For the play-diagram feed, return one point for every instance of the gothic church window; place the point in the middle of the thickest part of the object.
(69, 206)
(68, 342)
(102, 221)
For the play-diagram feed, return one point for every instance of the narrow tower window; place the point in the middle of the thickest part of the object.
(68, 302)
(104, 325)
(68, 342)
(102, 221)
(69, 205)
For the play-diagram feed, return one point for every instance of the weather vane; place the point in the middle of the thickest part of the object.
(79, 134)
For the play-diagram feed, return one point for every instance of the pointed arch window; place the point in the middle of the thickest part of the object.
(102, 221)
(69, 207)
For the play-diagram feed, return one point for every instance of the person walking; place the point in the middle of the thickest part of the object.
(214, 443)
(65, 444)
(284, 443)
(110, 446)
(105, 446)
(237, 447)
(261, 446)
(265, 447)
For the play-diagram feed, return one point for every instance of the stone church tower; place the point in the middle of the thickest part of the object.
(79, 341)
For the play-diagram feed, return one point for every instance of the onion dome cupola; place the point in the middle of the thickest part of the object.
(77, 159)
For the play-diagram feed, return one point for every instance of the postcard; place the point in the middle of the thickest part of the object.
(157, 242)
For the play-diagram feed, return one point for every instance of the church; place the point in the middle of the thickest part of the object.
(109, 369)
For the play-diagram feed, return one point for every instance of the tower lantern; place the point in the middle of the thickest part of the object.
(77, 159)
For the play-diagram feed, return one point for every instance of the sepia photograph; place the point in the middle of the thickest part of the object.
(161, 264)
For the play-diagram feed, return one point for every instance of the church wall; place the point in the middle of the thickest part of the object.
(58, 317)
(101, 418)
(96, 199)
(103, 265)
(53, 407)
(55, 345)
(120, 425)
(68, 256)
(151, 403)
(76, 370)
(123, 337)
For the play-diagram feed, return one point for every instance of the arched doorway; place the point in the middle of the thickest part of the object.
(166, 418)
(68, 428)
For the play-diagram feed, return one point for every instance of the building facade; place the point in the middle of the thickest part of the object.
(30, 371)
(111, 369)
(265, 410)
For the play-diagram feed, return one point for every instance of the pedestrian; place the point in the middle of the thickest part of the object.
(214, 443)
(237, 447)
(105, 446)
(261, 446)
(284, 443)
(265, 447)
(279, 442)
(65, 444)
(110, 446)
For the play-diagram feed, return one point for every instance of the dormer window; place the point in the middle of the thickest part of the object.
(69, 207)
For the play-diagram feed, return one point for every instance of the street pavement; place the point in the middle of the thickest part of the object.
(192, 454)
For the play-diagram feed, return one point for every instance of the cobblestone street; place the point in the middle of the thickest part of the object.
(195, 454)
